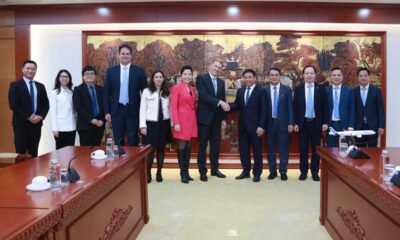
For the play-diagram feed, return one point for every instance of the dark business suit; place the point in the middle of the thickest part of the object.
(309, 129)
(251, 116)
(346, 112)
(124, 119)
(209, 118)
(26, 134)
(89, 134)
(369, 117)
(277, 128)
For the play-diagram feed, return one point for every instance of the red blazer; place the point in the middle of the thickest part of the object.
(183, 111)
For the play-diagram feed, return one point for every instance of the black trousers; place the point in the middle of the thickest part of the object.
(65, 139)
(209, 132)
(26, 139)
(309, 133)
(91, 137)
(367, 140)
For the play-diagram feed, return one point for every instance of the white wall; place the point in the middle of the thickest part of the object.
(60, 46)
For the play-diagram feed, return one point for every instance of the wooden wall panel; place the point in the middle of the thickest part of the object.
(7, 75)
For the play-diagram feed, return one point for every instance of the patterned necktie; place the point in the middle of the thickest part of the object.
(310, 102)
(123, 95)
(247, 95)
(95, 110)
(214, 80)
(364, 95)
(275, 111)
(336, 104)
(32, 93)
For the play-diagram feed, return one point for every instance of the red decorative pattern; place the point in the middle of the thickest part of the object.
(350, 219)
(118, 218)
(43, 229)
(375, 189)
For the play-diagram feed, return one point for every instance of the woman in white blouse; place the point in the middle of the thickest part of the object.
(154, 120)
(63, 116)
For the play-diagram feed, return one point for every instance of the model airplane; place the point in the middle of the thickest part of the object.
(352, 133)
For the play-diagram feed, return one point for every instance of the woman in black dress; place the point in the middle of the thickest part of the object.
(155, 120)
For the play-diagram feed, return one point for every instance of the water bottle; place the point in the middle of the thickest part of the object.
(110, 148)
(386, 168)
(55, 175)
(343, 146)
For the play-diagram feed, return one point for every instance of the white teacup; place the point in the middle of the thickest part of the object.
(98, 154)
(39, 182)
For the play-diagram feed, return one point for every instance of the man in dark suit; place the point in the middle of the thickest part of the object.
(279, 123)
(122, 88)
(88, 103)
(28, 101)
(370, 114)
(251, 103)
(310, 118)
(211, 117)
(340, 106)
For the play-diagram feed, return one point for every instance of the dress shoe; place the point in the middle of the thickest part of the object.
(203, 178)
(256, 179)
(272, 176)
(315, 177)
(243, 175)
(184, 179)
(218, 174)
(149, 178)
(159, 177)
(302, 177)
(284, 177)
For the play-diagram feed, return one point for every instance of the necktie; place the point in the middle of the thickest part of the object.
(247, 96)
(214, 80)
(364, 95)
(310, 102)
(275, 111)
(123, 95)
(94, 101)
(32, 93)
(336, 104)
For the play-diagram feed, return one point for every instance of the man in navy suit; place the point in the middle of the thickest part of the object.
(211, 117)
(251, 103)
(28, 100)
(370, 114)
(88, 103)
(340, 106)
(279, 123)
(310, 118)
(122, 88)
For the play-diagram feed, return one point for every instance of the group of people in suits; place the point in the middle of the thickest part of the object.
(130, 104)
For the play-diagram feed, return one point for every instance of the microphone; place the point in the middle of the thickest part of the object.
(73, 175)
(121, 150)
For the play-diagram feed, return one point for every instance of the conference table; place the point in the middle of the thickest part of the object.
(108, 202)
(355, 202)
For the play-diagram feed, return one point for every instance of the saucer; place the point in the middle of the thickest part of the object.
(100, 157)
(34, 187)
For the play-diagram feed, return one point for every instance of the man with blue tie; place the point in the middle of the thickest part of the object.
(28, 101)
(370, 114)
(340, 106)
(310, 119)
(251, 103)
(88, 103)
(279, 123)
(122, 89)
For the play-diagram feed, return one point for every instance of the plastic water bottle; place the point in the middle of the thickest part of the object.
(343, 146)
(55, 175)
(110, 148)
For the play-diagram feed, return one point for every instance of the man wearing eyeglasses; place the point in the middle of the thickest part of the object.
(88, 103)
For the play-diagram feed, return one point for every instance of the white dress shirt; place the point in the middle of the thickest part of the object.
(63, 115)
(34, 90)
(251, 90)
(272, 95)
(333, 99)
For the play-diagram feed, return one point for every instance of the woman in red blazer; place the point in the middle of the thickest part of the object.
(183, 110)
